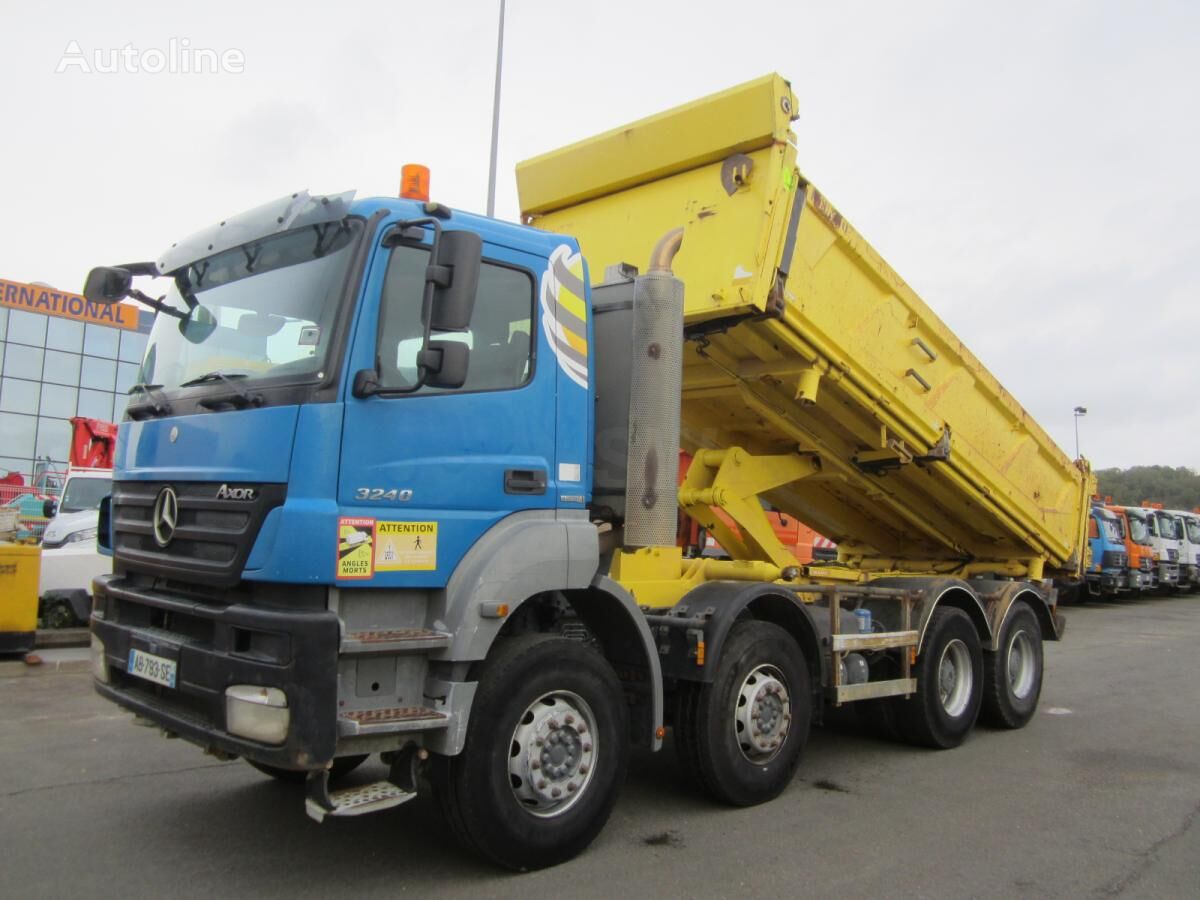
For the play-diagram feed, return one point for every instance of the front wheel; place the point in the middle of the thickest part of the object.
(949, 675)
(546, 752)
(1013, 674)
(740, 737)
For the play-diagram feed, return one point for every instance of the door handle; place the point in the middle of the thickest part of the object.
(525, 481)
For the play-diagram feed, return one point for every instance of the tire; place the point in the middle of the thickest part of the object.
(1012, 676)
(547, 692)
(59, 614)
(342, 766)
(949, 675)
(716, 738)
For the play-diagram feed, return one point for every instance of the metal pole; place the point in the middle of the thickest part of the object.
(491, 203)
(1077, 435)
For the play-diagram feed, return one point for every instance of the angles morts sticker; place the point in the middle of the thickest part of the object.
(356, 550)
(564, 313)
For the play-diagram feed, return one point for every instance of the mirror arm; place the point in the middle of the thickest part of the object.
(142, 268)
(156, 305)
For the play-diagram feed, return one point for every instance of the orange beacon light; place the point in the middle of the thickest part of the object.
(414, 182)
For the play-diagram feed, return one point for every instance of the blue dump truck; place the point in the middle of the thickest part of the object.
(1107, 574)
(402, 480)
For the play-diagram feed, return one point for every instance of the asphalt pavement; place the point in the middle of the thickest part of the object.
(1099, 796)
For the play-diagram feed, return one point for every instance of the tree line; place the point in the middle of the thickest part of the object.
(1174, 488)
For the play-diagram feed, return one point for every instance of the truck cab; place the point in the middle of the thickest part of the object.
(1187, 526)
(1164, 539)
(1107, 575)
(1140, 573)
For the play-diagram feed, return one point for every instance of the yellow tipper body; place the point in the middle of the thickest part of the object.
(803, 341)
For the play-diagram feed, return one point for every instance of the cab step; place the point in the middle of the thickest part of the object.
(351, 801)
(390, 720)
(396, 640)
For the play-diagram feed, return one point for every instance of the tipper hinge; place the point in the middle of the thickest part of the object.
(897, 454)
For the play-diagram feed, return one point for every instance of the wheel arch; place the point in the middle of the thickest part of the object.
(1011, 598)
(612, 616)
(723, 603)
(959, 597)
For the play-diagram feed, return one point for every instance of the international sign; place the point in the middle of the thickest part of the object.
(48, 301)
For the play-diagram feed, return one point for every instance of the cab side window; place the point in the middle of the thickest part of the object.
(1093, 529)
(499, 335)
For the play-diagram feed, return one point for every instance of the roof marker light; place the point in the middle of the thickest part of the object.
(414, 182)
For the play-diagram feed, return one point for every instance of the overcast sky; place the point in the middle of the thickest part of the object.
(1031, 169)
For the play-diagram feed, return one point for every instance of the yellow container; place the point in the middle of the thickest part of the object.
(20, 568)
(802, 339)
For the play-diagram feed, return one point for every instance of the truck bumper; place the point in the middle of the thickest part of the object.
(214, 648)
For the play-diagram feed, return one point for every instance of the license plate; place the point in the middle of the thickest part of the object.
(152, 668)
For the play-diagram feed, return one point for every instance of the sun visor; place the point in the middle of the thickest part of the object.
(293, 211)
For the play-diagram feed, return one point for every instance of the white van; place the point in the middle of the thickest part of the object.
(70, 559)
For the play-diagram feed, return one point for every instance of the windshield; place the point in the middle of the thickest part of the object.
(84, 493)
(1193, 530)
(1113, 529)
(1166, 526)
(261, 310)
(1139, 532)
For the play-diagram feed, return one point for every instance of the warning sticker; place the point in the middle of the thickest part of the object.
(406, 546)
(356, 542)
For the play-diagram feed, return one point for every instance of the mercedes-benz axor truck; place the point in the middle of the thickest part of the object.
(402, 480)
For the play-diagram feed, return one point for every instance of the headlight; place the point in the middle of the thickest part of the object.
(257, 713)
(99, 663)
(88, 534)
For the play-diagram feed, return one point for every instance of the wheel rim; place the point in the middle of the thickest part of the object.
(1022, 665)
(552, 756)
(955, 678)
(763, 714)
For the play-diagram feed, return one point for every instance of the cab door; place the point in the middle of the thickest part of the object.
(424, 473)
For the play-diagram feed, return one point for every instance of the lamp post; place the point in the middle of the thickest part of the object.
(1079, 411)
(491, 201)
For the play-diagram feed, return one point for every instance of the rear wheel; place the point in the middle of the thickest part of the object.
(343, 765)
(740, 737)
(949, 676)
(1013, 673)
(545, 756)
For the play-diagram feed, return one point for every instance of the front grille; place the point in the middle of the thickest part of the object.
(1114, 559)
(212, 538)
(1172, 555)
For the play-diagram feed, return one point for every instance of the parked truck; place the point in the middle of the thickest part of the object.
(401, 479)
(1164, 538)
(1187, 526)
(1107, 573)
(1135, 533)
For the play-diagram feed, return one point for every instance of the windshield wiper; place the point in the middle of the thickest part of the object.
(152, 406)
(240, 397)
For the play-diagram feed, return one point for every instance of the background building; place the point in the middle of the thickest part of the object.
(61, 356)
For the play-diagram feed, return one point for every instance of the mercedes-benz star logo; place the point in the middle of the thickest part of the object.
(166, 515)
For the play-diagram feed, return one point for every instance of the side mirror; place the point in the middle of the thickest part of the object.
(455, 276)
(50, 508)
(446, 364)
(107, 285)
(198, 325)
